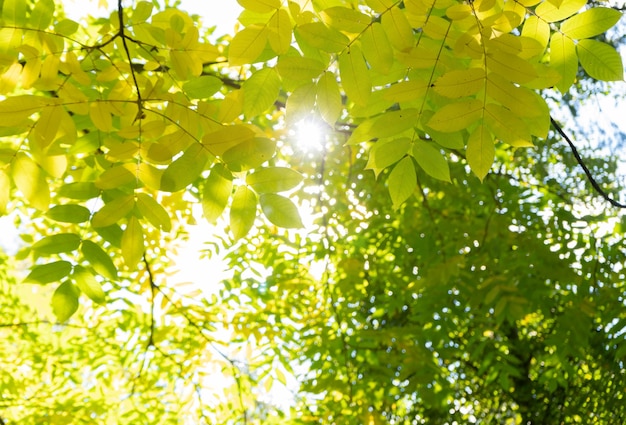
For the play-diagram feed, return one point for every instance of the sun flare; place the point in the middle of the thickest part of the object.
(309, 134)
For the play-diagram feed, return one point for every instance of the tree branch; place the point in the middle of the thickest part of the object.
(580, 161)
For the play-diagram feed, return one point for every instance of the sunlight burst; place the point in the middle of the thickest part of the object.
(309, 134)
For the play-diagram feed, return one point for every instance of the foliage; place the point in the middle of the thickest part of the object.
(417, 294)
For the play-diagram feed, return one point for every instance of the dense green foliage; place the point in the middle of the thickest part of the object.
(417, 267)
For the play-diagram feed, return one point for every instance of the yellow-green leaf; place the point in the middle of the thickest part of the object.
(377, 48)
(318, 35)
(274, 179)
(299, 68)
(100, 114)
(280, 32)
(260, 6)
(5, 191)
(69, 213)
(153, 212)
(30, 180)
(345, 19)
(65, 301)
(460, 83)
(113, 211)
(260, 91)
(79, 190)
(15, 110)
(185, 169)
(480, 151)
(216, 192)
(590, 23)
(115, 177)
(99, 259)
(355, 77)
(88, 285)
(280, 211)
(551, 12)
(456, 116)
(511, 67)
(431, 160)
(329, 98)
(132, 243)
(56, 244)
(402, 181)
(387, 152)
(247, 45)
(563, 58)
(380, 6)
(506, 126)
(47, 273)
(398, 29)
(406, 91)
(600, 60)
(227, 137)
(301, 102)
(249, 154)
(242, 212)
(202, 87)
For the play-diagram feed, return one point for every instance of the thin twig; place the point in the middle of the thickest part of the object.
(580, 161)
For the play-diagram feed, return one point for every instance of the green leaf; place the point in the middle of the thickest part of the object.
(216, 192)
(99, 259)
(280, 211)
(30, 180)
(398, 29)
(185, 169)
(81, 191)
(590, 23)
(387, 152)
(88, 284)
(511, 67)
(460, 83)
(47, 273)
(65, 301)
(249, 154)
(431, 160)
(14, 12)
(355, 77)
(274, 179)
(141, 12)
(132, 243)
(600, 60)
(242, 212)
(115, 177)
(480, 151)
(153, 212)
(260, 91)
(41, 15)
(552, 11)
(563, 58)
(380, 6)
(69, 213)
(202, 87)
(280, 32)
(456, 116)
(66, 27)
(402, 181)
(329, 98)
(260, 6)
(56, 244)
(113, 211)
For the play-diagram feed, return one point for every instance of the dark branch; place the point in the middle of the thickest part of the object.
(580, 161)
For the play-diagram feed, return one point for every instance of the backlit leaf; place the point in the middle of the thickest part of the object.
(480, 151)
(47, 273)
(590, 23)
(280, 31)
(153, 212)
(431, 160)
(79, 190)
(402, 181)
(329, 98)
(345, 19)
(65, 301)
(118, 176)
(377, 48)
(299, 68)
(274, 179)
(249, 154)
(30, 180)
(217, 190)
(600, 60)
(387, 152)
(460, 83)
(100, 114)
(242, 212)
(185, 169)
(355, 77)
(226, 138)
(456, 116)
(261, 6)
(88, 285)
(564, 59)
(247, 45)
(132, 243)
(113, 211)
(202, 87)
(260, 91)
(550, 12)
(318, 35)
(99, 259)
(280, 211)
(398, 29)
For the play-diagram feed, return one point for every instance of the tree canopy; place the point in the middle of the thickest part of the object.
(438, 258)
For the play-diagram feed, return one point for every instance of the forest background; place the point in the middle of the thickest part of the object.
(407, 212)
